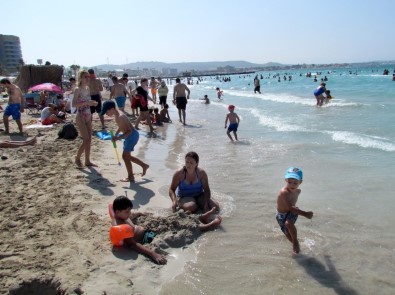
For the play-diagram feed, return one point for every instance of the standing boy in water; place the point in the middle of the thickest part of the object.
(287, 212)
(234, 121)
(130, 135)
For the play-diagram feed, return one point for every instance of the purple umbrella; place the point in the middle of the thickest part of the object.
(50, 87)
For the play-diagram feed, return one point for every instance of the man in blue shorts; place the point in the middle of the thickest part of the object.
(119, 92)
(16, 105)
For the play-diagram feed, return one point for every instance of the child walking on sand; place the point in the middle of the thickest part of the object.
(234, 121)
(287, 212)
(130, 135)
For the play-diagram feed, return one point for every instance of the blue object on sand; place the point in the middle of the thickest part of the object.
(103, 135)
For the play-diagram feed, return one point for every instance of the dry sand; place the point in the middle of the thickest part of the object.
(54, 222)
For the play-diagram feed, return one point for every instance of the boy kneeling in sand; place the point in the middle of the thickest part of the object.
(287, 212)
(122, 207)
(131, 136)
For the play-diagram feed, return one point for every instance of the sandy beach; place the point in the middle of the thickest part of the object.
(55, 223)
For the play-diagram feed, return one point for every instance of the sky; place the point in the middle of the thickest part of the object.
(94, 32)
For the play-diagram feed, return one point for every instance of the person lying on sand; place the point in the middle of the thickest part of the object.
(16, 144)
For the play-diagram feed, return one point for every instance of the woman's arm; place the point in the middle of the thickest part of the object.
(172, 190)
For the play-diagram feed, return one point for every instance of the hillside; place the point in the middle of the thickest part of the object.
(186, 66)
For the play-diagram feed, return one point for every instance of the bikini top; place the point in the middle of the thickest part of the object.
(190, 189)
(84, 96)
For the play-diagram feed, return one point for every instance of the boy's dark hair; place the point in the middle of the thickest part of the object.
(178, 80)
(5, 81)
(193, 155)
(72, 79)
(122, 203)
(166, 106)
(143, 80)
(91, 71)
(107, 105)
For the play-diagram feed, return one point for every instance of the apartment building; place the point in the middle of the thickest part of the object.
(10, 53)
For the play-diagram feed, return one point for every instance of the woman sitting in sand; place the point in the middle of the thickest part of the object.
(82, 102)
(49, 115)
(193, 191)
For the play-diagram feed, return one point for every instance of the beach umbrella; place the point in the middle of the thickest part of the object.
(50, 87)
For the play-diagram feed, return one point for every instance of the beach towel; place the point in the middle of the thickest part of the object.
(38, 125)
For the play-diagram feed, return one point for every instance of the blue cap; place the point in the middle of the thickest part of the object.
(293, 172)
(107, 105)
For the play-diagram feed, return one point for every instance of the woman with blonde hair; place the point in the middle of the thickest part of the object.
(82, 102)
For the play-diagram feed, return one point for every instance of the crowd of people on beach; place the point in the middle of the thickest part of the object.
(189, 189)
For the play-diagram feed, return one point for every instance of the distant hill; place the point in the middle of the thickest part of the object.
(187, 66)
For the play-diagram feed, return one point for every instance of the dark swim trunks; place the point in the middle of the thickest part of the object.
(283, 217)
(181, 103)
(97, 108)
(233, 127)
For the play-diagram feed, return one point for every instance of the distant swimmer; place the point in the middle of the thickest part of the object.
(328, 96)
(206, 99)
(257, 85)
(220, 93)
(318, 93)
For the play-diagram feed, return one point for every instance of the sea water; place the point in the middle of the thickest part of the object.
(346, 151)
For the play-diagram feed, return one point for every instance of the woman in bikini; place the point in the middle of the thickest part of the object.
(193, 191)
(82, 102)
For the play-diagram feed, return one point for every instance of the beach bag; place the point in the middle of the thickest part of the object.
(68, 131)
(142, 100)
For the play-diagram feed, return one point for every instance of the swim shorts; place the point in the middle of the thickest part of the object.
(233, 127)
(120, 101)
(283, 217)
(131, 141)
(181, 103)
(153, 91)
(13, 110)
(97, 108)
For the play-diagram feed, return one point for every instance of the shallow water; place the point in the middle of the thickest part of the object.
(346, 150)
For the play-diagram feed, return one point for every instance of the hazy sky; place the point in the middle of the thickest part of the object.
(92, 32)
